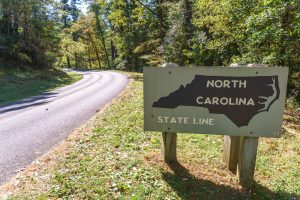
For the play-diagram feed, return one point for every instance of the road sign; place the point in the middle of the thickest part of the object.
(236, 101)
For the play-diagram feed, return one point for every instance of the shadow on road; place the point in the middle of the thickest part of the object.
(29, 102)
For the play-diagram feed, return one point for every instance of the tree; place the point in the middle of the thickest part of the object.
(29, 31)
(101, 28)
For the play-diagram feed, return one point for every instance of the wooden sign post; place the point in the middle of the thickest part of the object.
(169, 140)
(239, 154)
(247, 160)
(231, 149)
(169, 146)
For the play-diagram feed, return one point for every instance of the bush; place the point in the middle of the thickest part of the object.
(293, 87)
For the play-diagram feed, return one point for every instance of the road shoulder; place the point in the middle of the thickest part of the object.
(41, 167)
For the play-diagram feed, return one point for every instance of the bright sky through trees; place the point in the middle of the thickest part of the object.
(83, 7)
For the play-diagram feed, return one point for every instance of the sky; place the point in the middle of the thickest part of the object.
(83, 7)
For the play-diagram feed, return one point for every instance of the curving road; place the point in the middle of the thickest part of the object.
(31, 127)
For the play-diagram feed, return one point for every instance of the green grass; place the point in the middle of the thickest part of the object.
(20, 83)
(118, 160)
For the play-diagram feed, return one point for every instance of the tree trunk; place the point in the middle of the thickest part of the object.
(89, 52)
(136, 63)
(68, 62)
(102, 39)
(161, 19)
(106, 52)
(113, 51)
(76, 60)
(95, 49)
(285, 23)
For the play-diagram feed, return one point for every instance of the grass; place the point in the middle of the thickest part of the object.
(113, 158)
(20, 83)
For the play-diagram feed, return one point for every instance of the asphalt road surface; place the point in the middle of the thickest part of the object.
(31, 127)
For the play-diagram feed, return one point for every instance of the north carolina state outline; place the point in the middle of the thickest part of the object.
(238, 98)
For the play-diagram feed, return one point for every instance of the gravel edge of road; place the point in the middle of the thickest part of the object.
(49, 159)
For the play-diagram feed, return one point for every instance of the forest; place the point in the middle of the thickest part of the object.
(131, 34)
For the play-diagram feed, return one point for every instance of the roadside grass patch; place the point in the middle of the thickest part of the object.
(116, 159)
(20, 83)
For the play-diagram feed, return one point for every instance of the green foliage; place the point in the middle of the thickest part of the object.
(293, 93)
(250, 31)
(28, 31)
(20, 83)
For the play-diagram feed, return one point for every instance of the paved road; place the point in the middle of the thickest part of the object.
(31, 127)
